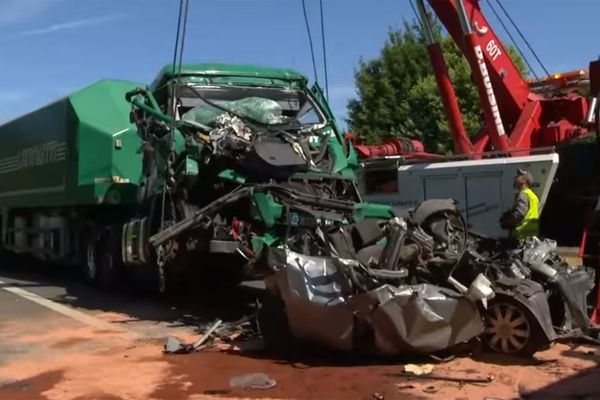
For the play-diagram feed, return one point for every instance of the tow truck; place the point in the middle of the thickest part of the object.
(522, 120)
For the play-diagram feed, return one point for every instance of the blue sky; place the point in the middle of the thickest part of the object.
(52, 47)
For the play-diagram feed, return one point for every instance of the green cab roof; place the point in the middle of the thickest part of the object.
(227, 73)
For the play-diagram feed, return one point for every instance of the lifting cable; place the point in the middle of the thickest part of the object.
(310, 41)
(324, 51)
(417, 17)
(522, 37)
(514, 42)
(176, 67)
(558, 111)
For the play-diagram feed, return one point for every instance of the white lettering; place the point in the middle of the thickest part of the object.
(493, 50)
(489, 89)
(42, 154)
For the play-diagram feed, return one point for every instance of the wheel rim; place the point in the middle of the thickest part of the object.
(91, 264)
(507, 328)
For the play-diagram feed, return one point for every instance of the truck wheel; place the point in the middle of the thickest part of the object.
(511, 329)
(110, 265)
(92, 253)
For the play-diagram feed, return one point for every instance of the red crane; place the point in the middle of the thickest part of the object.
(518, 115)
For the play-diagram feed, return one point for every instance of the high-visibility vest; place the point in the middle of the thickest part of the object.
(529, 226)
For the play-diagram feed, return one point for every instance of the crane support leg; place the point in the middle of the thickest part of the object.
(481, 143)
(462, 144)
(527, 124)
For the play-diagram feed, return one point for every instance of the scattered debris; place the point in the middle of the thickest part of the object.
(175, 346)
(458, 379)
(404, 386)
(441, 360)
(430, 389)
(252, 381)
(216, 392)
(247, 345)
(207, 334)
(378, 396)
(419, 369)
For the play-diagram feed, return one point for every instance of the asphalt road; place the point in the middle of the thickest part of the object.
(63, 340)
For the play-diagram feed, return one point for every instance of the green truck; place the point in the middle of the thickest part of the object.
(210, 159)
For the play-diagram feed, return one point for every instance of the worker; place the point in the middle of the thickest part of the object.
(523, 219)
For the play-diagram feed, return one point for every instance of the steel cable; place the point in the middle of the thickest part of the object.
(512, 39)
(310, 41)
(324, 51)
(522, 37)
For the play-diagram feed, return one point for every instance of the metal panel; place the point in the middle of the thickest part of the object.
(65, 154)
(484, 202)
(489, 181)
(34, 153)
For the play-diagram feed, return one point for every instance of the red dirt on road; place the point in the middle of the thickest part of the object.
(104, 365)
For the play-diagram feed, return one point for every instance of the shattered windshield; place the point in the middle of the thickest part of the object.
(267, 106)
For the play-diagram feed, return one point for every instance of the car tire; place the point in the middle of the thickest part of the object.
(510, 328)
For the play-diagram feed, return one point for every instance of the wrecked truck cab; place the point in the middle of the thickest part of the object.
(237, 159)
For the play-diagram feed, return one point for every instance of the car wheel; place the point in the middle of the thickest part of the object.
(511, 329)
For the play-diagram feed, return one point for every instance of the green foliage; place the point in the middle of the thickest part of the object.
(398, 95)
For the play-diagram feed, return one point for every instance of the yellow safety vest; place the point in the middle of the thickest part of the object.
(530, 225)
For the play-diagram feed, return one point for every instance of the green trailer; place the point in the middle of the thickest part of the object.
(67, 167)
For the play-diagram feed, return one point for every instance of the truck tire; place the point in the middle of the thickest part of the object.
(92, 253)
(110, 263)
(103, 267)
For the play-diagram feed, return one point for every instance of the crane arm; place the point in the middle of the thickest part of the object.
(510, 88)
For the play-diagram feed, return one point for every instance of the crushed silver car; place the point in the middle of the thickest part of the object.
(422, 283)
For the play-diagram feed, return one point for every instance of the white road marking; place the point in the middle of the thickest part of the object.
(78, 316)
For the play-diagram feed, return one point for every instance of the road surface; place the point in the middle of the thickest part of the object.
(62, 340)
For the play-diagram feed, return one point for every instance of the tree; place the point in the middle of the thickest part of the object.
(398, 95)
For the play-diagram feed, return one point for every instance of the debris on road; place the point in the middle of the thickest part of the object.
(200, 342)
(430, 389)
(252, 381)
(418, 369)
(457, 379)
(175, 346)
(378, 396)
(404, 386)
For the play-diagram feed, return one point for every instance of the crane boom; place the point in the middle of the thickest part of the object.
(511, 89)
(516, 117)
